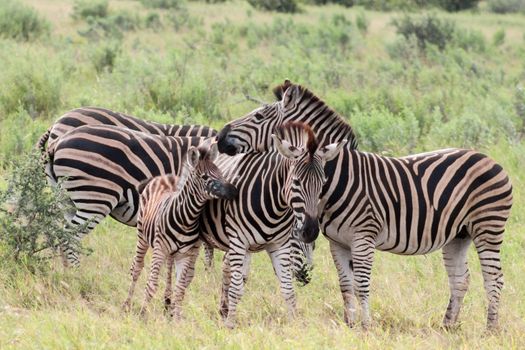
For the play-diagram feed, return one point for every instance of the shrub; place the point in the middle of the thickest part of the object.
(111, 26)
(428, 29)
(33, 86)
(21, 22)
(163, 4)
(345, 3)
(380, 130)
(32, 221)
(104, 55)
(152, 21)
(456, 5)
(499, 37)
(83, 9)
(361, 22)
(506, 6)
(288, 6)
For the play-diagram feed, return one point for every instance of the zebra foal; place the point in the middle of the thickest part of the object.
(168, 221)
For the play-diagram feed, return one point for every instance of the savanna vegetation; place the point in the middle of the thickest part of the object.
(409, 75)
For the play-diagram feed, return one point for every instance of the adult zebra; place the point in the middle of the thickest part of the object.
(102, 116)
(275, 188)
(412, 205)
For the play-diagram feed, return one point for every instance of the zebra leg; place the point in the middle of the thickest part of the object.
(185, 272)
(363, 248)
(226, 277)
(343, 262)
(169, 273)
(136, 269)
(69, 256)
(246, 267)
(281, 265)
(488, 245)
(159, 256)
(236, 257)
(455, 259)
(208, 256)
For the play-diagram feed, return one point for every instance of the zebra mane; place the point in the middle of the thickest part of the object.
(331, 120)
(299, 135)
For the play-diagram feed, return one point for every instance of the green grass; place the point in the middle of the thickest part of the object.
(196, 68)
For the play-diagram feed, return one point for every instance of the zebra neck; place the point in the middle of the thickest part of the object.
(186, 205)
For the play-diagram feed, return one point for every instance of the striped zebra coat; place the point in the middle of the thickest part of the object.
(170, 207)
(275, 188)
(102, 167)
(412, 205)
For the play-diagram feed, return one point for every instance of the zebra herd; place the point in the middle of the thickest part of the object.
(285, 171)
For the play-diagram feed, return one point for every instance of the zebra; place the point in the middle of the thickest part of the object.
(102, 167)
(168, 221)
(276, 190)
(102, 116)
(411, 205)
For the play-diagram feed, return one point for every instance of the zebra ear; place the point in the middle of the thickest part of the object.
(213, 152)
(193, 156)
(286, 149)
(330, 151)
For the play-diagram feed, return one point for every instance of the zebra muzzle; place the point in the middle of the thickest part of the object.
(222, 189)
(225, 143)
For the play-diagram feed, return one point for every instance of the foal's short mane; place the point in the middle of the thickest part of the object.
(302, 129)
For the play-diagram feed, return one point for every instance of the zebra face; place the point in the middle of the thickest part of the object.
(297, 142)
(207, 176)
(252, 132)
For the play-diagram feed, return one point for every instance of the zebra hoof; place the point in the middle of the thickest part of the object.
(230, 324)
(167, 304)
(126, 307)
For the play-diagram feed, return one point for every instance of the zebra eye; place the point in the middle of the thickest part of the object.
(205, 177)
(259, 116)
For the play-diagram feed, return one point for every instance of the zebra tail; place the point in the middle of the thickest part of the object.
(41, 143)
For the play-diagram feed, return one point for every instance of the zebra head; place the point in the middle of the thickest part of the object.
(252, 132)
(296, 141)
(205, 174)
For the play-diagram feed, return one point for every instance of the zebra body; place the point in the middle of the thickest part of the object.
(411, 205)
(102, 167)
(416, 205)
(170, 208)
(263, 214)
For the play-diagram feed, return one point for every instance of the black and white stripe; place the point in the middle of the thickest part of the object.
(411, 205)
(170, 208)
(275, 188)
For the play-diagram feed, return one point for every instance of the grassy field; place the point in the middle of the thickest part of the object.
(195, 65)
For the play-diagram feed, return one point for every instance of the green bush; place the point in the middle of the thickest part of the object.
(32, 221)
(379, 130)
(163, 4)
(32, 85)
(288, 6)
(345, 3)
(153, 21)
(103, 56)
(112, 26)
(84, 9)
(506, 6)
(428, 29)
(20, 22)
(362, 22)
(456, 5)
(499, 37)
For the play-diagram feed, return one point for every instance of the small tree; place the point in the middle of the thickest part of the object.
(32, 221)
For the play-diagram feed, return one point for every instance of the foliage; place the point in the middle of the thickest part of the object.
(457, 5)
(32, 223)
(362, 22)
(499, 37)
(506, 6)
(163, 4)
(21, 22)
(32, 85)
(104, 55)
(345, 3)
(410, 5)
(84, 9)
(289, 6)
(428, 29)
